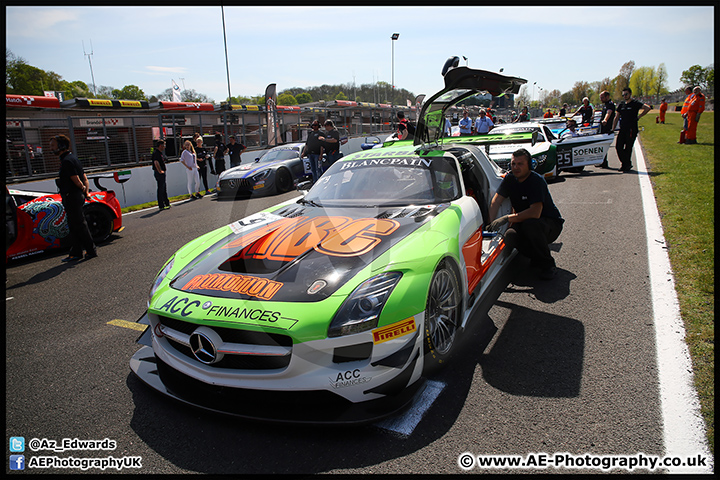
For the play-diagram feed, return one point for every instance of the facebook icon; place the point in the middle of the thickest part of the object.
(17, 462)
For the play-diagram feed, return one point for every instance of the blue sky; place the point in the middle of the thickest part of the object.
(312, 46)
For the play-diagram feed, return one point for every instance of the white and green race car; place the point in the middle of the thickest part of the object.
(331, 307)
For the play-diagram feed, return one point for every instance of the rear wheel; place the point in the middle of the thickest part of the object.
(283, 180)
(442, 316)
(100, 222)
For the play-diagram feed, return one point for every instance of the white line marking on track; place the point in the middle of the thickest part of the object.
(405, 424)
(683, 425)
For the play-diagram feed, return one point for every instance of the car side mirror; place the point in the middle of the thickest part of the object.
(257, 159)
(534, 138)
(304, 186)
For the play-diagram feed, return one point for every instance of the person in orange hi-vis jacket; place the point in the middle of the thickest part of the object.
(697, 106)
(663, 109)
(686, 105)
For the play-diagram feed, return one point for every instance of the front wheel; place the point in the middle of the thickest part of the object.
(283, 180)
(442, 316)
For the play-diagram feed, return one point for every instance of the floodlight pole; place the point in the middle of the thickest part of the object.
(88, 55)
(394, 37)
(227, 64)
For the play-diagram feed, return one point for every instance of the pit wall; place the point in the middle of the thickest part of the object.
(142, 188)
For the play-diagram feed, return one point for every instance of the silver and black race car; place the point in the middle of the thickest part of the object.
(277, 171)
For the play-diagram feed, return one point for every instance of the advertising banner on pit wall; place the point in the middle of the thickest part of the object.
(273, 129)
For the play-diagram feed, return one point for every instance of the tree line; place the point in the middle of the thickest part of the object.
(643, 81)
(24, 79)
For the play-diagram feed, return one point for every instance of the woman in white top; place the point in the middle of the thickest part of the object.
(189, 161)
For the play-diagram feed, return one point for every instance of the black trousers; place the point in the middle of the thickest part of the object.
(162, 197)
(203, 175)
(533, 237)
(219, 165)
(80, 237)
(624, 146)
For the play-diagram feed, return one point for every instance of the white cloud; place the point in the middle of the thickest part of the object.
(34, 22)
(156, 70)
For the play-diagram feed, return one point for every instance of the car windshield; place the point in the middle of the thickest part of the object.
(279, 154)
(375, 182)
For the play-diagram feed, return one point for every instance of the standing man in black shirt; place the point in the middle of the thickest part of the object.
(586, 110)
(312, 150)
(627, 115)
(74, 189)
(536, 222)
(331, 142)
(606, 119)
(219, 154)
(160, 171)
(234, 150)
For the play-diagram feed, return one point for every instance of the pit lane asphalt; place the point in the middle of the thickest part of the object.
(572, 367)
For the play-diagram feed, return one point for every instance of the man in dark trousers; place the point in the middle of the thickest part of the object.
(313, 150)
(74, 189)
(627, 115)
(536, 221)
(235, 149)
(331, 142)
(219, 154)
(159, 160)
(606, 119)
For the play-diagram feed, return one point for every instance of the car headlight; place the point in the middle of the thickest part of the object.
(361, 310)
(161, 276)
(262, 175)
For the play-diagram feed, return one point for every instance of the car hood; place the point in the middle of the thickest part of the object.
(246, 171)
(298, 253)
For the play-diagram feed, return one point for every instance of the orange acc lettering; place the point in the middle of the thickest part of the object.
(393, 331)
(288, 238)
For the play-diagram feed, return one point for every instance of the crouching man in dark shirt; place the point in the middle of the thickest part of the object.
(536, 221)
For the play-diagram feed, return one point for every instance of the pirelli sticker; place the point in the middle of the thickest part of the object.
(99, 102)
(130, 103)
(394, 330)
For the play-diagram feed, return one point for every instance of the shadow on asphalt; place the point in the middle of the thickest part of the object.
(536, 354)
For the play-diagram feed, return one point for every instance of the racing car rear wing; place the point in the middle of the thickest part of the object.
(120, 177)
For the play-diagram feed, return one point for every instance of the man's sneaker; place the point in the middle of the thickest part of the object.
(90, 255)
(72, 258)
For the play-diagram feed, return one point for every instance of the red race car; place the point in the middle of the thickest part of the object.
(35, 222)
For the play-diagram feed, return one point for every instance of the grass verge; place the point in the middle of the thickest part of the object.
(143, 206)
(683, 178)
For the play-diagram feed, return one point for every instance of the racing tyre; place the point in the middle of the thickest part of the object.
(442, 316)
(283, 181)
(100, 222)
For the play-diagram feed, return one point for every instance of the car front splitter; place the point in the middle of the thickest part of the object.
(312, 407)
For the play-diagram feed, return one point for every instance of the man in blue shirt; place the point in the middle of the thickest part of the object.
(483, 123)
(536, 221)
(465, 124)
